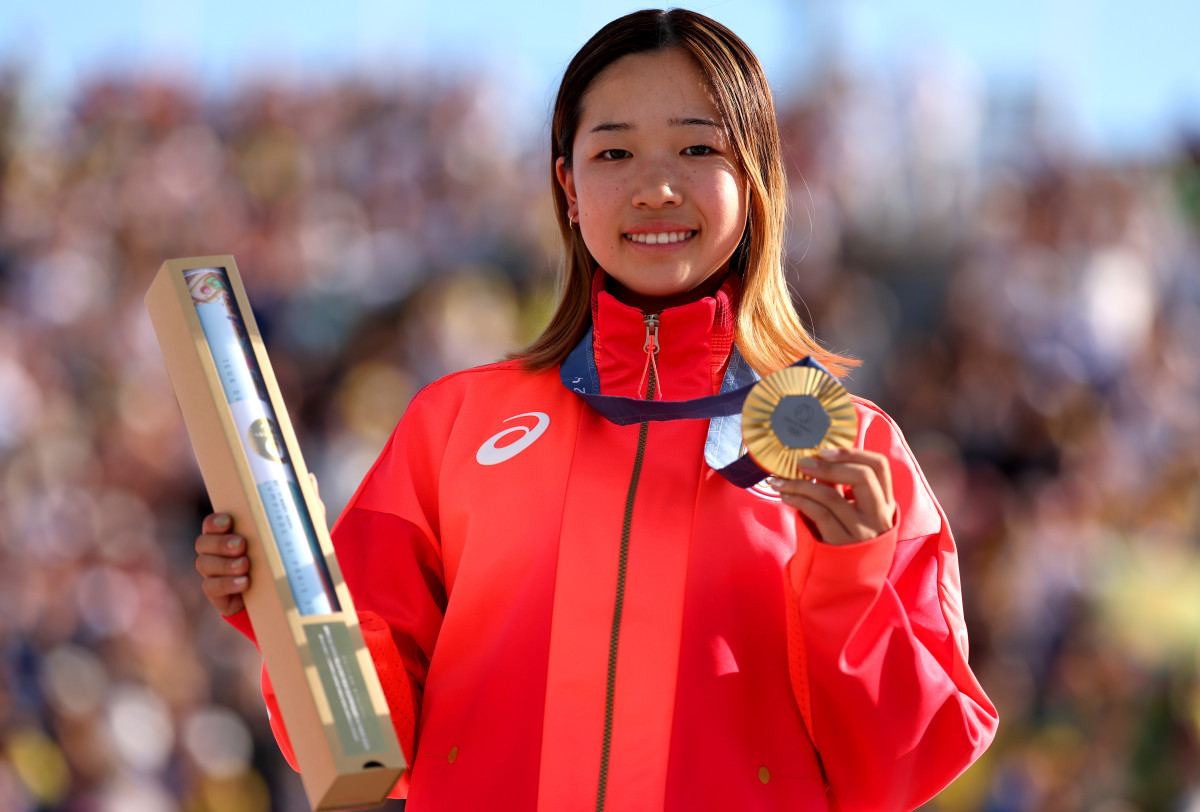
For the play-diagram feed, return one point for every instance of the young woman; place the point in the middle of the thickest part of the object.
(571, 614)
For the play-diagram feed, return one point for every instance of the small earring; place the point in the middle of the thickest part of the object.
(574, 223)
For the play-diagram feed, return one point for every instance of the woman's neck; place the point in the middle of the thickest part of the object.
(657, 304)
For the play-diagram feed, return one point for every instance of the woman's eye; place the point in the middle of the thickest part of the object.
(613, 154)
(698, 150)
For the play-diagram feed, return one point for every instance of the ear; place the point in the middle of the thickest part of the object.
(567, 181)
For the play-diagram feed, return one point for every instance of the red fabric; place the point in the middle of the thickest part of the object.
(618, 343)
(879, 645)
(756, 668)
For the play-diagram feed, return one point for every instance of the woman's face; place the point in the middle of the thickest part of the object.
(659, 197)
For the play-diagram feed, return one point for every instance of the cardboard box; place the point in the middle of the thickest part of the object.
(332, 703)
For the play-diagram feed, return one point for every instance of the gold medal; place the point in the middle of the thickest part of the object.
(794, 413)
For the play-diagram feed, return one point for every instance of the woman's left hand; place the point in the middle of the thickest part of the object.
(851, 498)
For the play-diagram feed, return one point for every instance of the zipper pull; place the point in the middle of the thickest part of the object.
(649, 387)
(651, 344)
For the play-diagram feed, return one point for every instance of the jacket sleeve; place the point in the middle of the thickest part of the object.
(878, 650)
(387, 547)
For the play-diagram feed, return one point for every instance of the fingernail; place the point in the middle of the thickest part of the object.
(806, 462)
(774, 482)
(222, 522)
(234, 543)
(829, 453)
(241, 580)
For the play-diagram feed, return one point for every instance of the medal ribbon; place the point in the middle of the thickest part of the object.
(722, 450)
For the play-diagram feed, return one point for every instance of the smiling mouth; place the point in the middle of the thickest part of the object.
(661, 238)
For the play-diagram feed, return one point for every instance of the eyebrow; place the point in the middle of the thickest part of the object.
(622, 126)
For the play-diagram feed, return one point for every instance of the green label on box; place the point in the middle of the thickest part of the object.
(345, 689)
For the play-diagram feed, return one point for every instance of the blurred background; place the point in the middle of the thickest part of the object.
(995, 206)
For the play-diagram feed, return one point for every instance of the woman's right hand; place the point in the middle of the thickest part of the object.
(221, 559)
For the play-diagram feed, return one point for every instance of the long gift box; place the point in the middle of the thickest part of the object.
(303, 616)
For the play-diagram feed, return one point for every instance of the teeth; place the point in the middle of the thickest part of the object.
(661, 238)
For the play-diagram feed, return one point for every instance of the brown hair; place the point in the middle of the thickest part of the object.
(768, 331)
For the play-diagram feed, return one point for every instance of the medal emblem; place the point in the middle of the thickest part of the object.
(266, 441)
(794, 413)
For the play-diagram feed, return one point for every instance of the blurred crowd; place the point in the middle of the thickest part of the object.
(1028, 315)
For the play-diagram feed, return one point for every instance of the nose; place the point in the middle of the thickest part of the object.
(657, 188)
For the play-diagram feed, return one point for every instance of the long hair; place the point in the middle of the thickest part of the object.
(768, 331)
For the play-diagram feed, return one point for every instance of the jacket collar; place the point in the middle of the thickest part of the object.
(694, 343)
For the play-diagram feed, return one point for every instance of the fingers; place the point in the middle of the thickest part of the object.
(226, 593)
(822, 519)
(217, 523)
(225, 579)
(851, 498)
(867, 474)
(226, 545)
(221, 560)
(229, 586)
(838, 520)
(320, 506)
(216, 566)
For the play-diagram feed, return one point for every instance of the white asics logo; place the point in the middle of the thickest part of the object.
(489, 454)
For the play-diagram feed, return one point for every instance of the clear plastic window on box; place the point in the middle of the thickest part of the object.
(258, 429)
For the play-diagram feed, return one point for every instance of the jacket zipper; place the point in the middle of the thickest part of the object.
(651, 349)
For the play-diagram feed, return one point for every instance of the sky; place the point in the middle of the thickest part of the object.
(1124, 73)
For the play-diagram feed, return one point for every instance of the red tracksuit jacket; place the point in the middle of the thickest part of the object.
(752, 667)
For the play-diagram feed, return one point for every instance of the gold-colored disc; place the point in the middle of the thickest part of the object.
(794, 413)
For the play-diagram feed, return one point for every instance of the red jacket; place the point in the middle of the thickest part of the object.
(755, 667)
